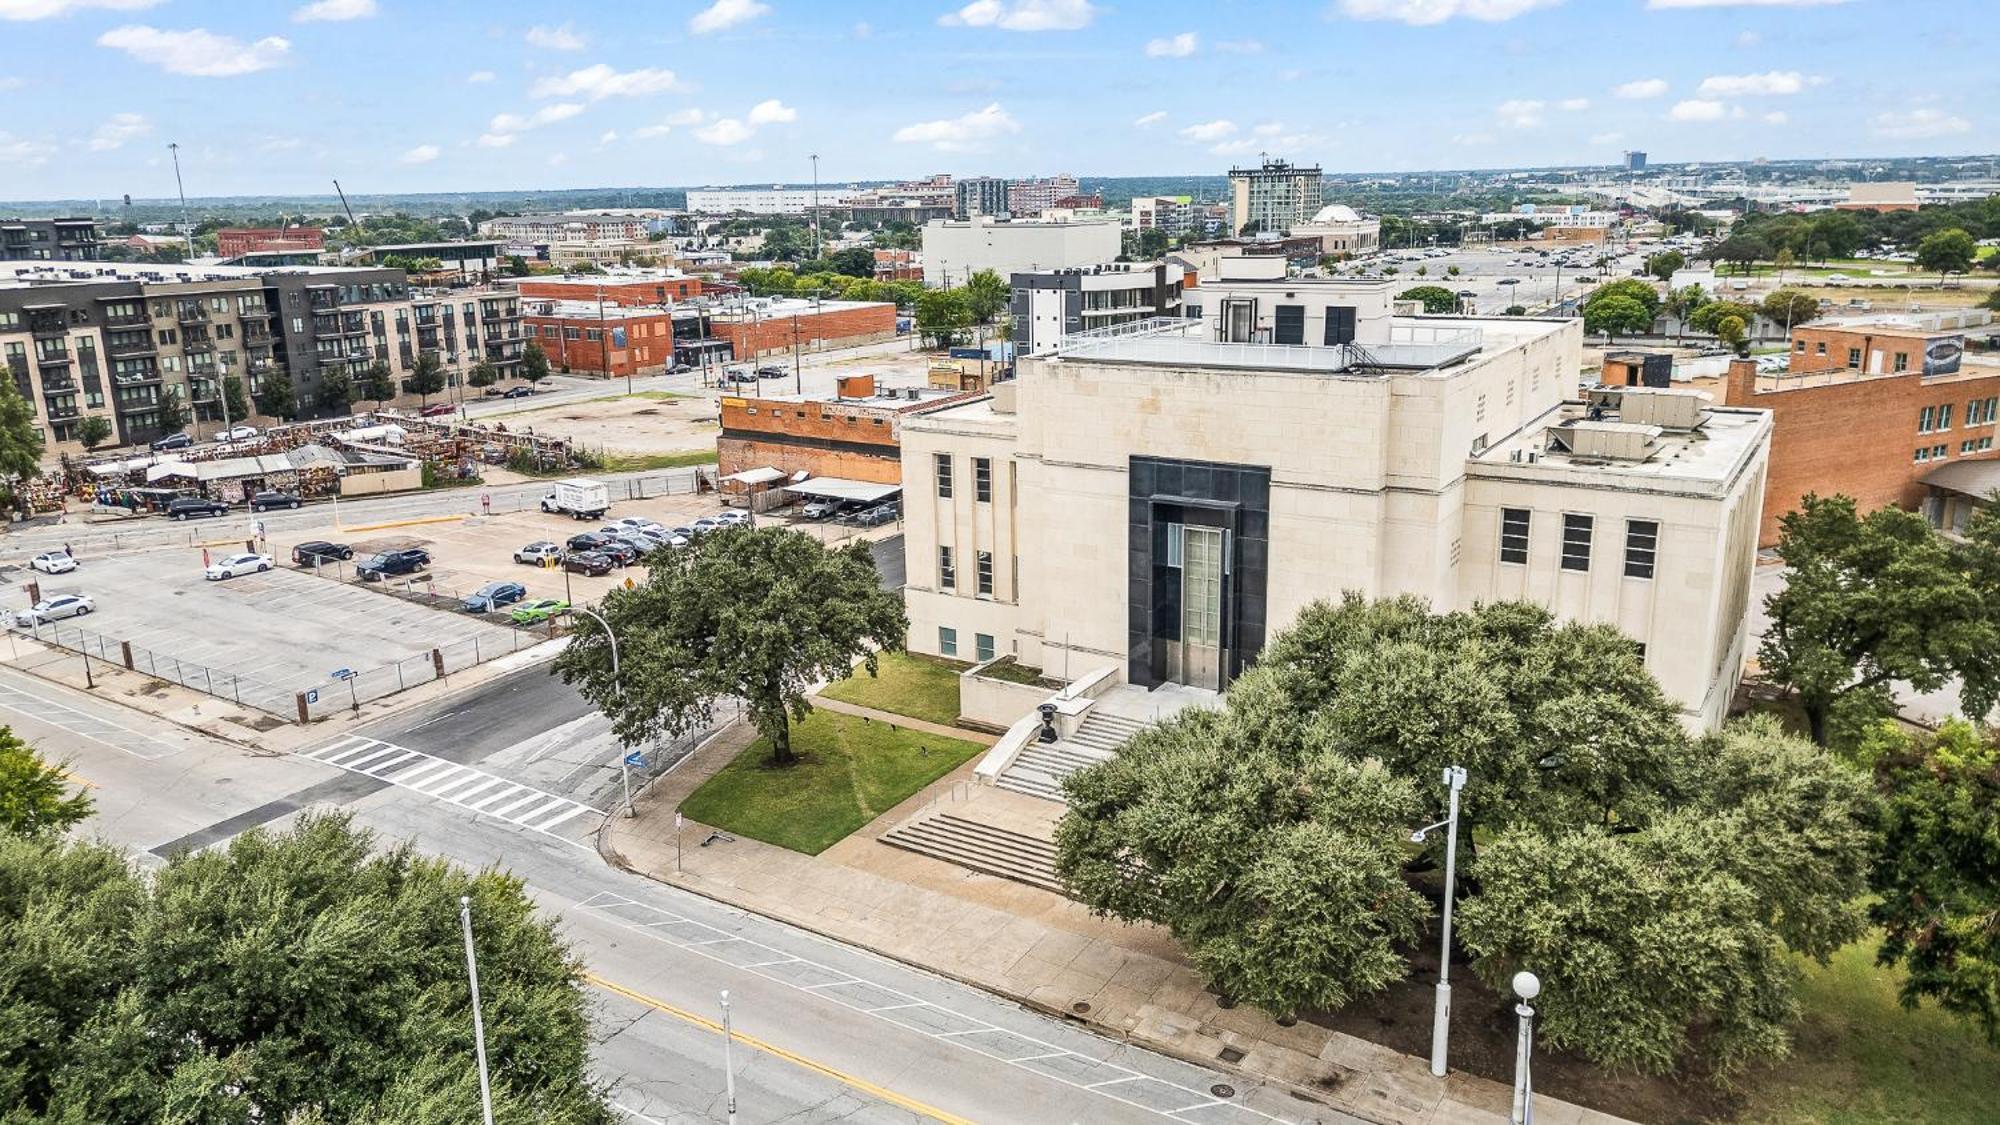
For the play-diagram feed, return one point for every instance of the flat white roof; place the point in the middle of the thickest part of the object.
(839, 488)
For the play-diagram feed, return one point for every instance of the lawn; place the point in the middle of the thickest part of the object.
(922, 687)
(1860, 1059)
(849, 772)
(636, 462)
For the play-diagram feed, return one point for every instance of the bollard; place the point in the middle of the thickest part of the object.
(300, 698)
(437, 661)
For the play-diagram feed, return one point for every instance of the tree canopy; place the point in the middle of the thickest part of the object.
(234, 401)
(1665, 264)
(426, 376)
(483, 373)
(1436, 298)
(1270, 836)
(534, 363)
(20, 437)
(94, 430)
(378, 383)
(1614, 316)
(35, 797)
(1947, 251)
(986, 295)
(942, 314)
(1790, 306)
(277, 398)
(755, 614)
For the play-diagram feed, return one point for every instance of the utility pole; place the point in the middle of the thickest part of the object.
(728, 1057)
(186, 228)
(478, 1023)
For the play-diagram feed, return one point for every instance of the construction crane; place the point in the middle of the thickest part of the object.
(353, 227)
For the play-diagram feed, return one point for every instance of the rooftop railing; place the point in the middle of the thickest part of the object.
(1185, 342)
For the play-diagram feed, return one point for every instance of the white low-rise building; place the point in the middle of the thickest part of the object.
(956, 249)
(774, 200)
(1342, 230)
(1166, 496)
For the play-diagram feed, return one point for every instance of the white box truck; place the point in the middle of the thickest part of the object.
(579, 499)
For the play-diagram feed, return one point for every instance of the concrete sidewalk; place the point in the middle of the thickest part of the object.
(1041, 949)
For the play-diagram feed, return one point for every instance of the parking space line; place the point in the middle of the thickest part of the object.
(64, 717)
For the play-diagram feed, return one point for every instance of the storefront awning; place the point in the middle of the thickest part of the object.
(756, 476)
(837, 488)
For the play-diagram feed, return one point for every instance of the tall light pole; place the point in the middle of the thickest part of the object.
(617, 688)
(728, 1058)
(186, 229)
(1527, 987)
(478, 1024)
(1454, 780)
(815, 160)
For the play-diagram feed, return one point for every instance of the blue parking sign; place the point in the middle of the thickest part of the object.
(636, 760)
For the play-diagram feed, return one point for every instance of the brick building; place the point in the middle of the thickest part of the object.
(855, 435)
(1870, 435)
(583, 337)
(764, 326)
(631, 288)
(898, 265)
(1877, 348)
(234, 242)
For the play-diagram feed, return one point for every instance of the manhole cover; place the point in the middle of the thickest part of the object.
(1081, 1007)
(1222, 1090)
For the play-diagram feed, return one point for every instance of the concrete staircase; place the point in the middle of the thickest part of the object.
(980, 847)
(1039, 769)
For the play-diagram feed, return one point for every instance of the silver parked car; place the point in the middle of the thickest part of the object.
(54, 609)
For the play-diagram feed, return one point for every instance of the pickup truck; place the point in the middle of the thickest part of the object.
(578, 499)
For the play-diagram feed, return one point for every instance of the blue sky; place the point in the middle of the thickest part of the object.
(439, 95)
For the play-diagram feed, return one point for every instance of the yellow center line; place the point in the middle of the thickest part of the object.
(83, 781)
(861, 1084)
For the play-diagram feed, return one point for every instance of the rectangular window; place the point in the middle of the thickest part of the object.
(982, 647)
(1800, 347)
(985, 559)
(947, 641)
(1940, 452)
(982, 479)
(1902, 361)
(1922, 456)
(1822, 348)
(942, 465)
(1972, 413)
(1514, 535)
(1854, 358)
(947, 570)
(1576, 542)
(1944, 415)
(1289, 324)
(1642, 540)
(1926, 418)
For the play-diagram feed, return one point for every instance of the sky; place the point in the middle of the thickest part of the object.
(282, 96)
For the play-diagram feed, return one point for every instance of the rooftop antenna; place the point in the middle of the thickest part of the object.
(186, 229)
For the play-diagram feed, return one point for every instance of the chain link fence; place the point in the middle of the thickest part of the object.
(246, 691)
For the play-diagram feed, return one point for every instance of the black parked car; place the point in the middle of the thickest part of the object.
(320, 551)
(194, 508)
(409, 560)
(772, 371)
(591, 563)
(619, 551)
(588, 541)
(265, 501)
(517, 392)
(172, 441)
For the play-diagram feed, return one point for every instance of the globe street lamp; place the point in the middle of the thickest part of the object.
(1454, 780)
(1527, 986)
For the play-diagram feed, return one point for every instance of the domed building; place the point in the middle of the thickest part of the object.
(1342, 230)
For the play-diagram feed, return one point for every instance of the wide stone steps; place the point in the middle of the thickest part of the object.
(1033, 783)
(980, 847)
(1105, 732)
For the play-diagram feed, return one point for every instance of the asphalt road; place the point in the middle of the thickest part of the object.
(828, 1032)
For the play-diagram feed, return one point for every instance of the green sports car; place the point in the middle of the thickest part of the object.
(538, 611)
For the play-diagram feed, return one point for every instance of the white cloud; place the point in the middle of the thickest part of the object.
(22, 152)
(1606, 138)
(1471, 139)
(334, 11)
(1210, 130)
(481, 76)
(197, 51)
(1153, 118)
(677, 119)
(1754, 85)
(1240, 47)
(966, 133)
(1777, 117)
(1023, 15)
(1177, 47)
(564, 38)
(120, 128)
(1749, 39)
(12, 82)
(547, 115)
(724, 131)
(1573, 105)
(1640, 89)
(772, 112)
(600, 82)
(25, 10)
(557, 160)
(1422, 13)
(724, 14)
(609, 136)
(1918, 124)
(1520, 113)
(1695, 109)
(495, 140)
(422, 154)
(1269, 129)
(1742, 3)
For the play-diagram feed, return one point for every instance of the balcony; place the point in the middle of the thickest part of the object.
(134, 344)
(62, 413)
(57, 383)
(256, 332)
(53, 359)
(194, 345)
(192, 314)
(127, 320)
(47, 322)
(323, 300)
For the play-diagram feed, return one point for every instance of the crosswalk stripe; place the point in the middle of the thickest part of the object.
(368, 761)
(465, 786)
(531, 798)
(345, 756)
(552, 806)
(452, 778)
(347, 742)
(381, 769)
(558, 818)
(486, 803)
(459, 798)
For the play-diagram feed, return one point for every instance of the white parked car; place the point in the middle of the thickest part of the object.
(54, 562)
(240, 433)
(54, 609)
(633, 523)
(734, 516)
(230, 566)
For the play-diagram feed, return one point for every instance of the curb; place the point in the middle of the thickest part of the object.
(405, 523)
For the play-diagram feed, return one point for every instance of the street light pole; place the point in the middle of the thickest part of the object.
(478, 1023)
(728, 1058)
(617, 689)
(1454, 780)
(186, 229)
(1527, 987)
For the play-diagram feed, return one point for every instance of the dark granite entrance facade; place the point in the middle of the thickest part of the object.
(1166, 497)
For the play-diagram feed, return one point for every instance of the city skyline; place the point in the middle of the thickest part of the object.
(282, 100)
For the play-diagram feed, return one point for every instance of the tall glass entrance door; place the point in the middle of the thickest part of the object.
(1201, 606)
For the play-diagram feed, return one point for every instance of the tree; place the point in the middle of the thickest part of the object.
(786, 244)
(174, 416)
(1992, 300)
(986, 295)
(1630, 288)
(1746, 250)
(1869, 600)
(1947, 252)
(277, 397)
(855, 261)
(1784, 260)
(483, 374)
(1614, 315)
(336, 390)
(295, 977)
(1436, 298)
(35, 796)
(378, 383)
(534, 363)
(1708, 316)
(426, 377)
(941, 315)
(758, 614)
(20, 437)
(1789, 307)
(517, 266)
(1937, 873)
(1835, 234)
(1681, 304)
(1734, 333)
(1666, 264)
(1451, 271)
(93, 431)
(233, 399)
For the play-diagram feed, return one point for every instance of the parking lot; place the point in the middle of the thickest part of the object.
(1500, 277)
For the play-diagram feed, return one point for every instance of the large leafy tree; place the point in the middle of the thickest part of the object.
(1681, 304)
(986, 295)
(483, 374)
(1628, 288)
(534, 363)
(754, 614)
(378, 383)
(1745, 250)
(234, 399)
(1937, 876)
(1790, 306)
(336, 390)
(174, 416)
(20, 437)
(942, 314)
(299, 976)
(1665, 264)
(35, 795)
(93, 431)
(1436, 298)
(1947, 251)
(277, 397)
(855, 261)
(1615, 316)
(426, 376)
(1872, 599)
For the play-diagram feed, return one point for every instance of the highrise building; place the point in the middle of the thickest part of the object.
(1635, 161)
(1273, 195)
(1033, 196)
(980, 195)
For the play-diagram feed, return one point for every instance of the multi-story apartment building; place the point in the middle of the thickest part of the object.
(567, 226)
(121, 339)
(1165, 498)
(1173, 214)
(1051, 304)
(1034, 196)
(979, 195)
(48, 240)
(954, 250)
(1274, 195)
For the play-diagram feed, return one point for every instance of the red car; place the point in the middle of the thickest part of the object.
(438, 409)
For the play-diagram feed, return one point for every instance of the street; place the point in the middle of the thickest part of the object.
(516, 773)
